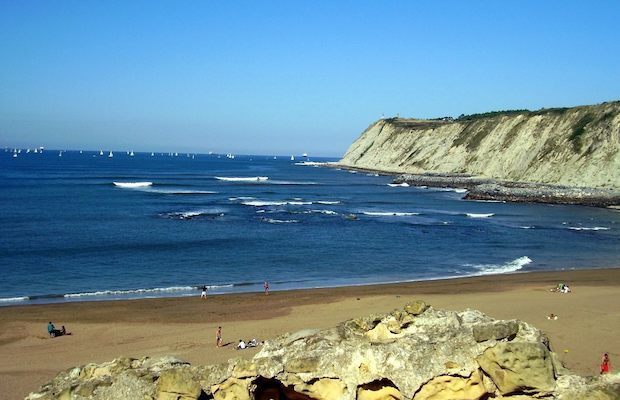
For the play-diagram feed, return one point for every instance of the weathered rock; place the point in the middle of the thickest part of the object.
(177, 384)
(416, 307)
(518, 367)
(450, 387)
(495, 331)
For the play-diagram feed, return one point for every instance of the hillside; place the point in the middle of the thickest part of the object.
(577, 146)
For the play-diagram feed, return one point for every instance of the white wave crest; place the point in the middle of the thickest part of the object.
(404, 184)
(14, 299)
(280, 221)
(241, 198)
(594, 228)
(326, 212)
(271, 182)
(309, 163)
(328, 203)
(260, 203)
(132, 185)
(180, 191)
(171, 289)
(473, 215)
(511, 266)
(526, 227)
(389, 213)
(196, 213)
(242, 179)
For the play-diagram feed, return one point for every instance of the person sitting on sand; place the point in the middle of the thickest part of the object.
(241, 345)
(552, 317)
(605, 364)
(53, 332)
(253, 343)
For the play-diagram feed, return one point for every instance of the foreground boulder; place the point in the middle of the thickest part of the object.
(416, 353)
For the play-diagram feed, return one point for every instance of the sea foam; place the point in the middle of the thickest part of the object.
(132, 185)
(473, 215)
(242, 179)
(389, 213)
(594, 228)
(511, 266)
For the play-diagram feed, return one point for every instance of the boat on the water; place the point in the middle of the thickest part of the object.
(110, 155)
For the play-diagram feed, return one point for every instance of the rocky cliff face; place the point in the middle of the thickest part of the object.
(570, 146)
(416, 353)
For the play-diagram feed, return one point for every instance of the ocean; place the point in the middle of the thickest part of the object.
(80, 226)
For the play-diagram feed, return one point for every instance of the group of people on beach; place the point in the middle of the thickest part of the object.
(53, 332)
(240, 346)
(561, 288)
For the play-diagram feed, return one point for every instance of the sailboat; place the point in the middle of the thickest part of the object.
(100, 152)
(152, 154)
(60, 154)
(292, 158)
(131, 154)
(110, 155)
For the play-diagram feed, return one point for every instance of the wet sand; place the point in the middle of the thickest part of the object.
(588, 321)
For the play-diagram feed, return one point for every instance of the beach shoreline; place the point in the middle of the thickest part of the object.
(185, 327)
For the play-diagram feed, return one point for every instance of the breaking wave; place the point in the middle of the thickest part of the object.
(389, 213)
(473, 215)
(242, 179)
(404, 184)
(279, 221)
(325, 202)
(14, 299)
(594, 228)
(205, 212)
(511, 266)
(132, 185)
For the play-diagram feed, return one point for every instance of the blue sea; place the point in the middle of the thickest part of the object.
(80, 226)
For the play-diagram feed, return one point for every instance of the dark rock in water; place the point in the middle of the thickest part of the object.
(416, 353)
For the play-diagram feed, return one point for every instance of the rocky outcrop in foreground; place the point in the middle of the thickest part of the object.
(415, 353)
(577, 146)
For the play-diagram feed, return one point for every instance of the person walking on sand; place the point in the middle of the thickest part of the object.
(203, 295)
(605, 364)
(266, 286)
(218, 337)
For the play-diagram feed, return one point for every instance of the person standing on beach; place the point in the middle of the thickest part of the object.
(218, 337)
(605, 366)
(266, 286)
(203, 295)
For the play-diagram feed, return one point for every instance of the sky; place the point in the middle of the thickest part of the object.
(287, 77)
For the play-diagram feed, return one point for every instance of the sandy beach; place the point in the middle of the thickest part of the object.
(587, 325)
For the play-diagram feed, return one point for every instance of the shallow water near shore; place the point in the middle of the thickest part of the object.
(87, 227)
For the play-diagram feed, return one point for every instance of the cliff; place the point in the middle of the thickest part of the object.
(417, 353)
(577, 146)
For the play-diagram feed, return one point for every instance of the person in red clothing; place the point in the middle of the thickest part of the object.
(605, 364)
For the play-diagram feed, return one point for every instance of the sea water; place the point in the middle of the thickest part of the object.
(89, 227)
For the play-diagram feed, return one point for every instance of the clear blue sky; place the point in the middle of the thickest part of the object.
(286, 77)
